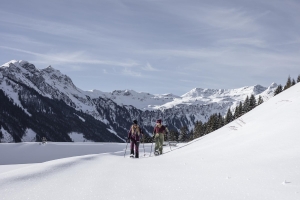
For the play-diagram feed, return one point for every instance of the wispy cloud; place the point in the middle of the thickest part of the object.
(148, 67)
(21, 39)
(131, 72)
(45, 26)
(208, 19)
(254, 42)
(72, 58)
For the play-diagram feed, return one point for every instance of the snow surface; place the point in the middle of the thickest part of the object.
(82, 119)
(6, 137)
(255, 157)
(78, 137)
(29, 136)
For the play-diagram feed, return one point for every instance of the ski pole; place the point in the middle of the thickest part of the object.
(151, 146)
(144, 145)
(126, 147)
(169, 142)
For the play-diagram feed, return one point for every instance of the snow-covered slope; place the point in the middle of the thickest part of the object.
(140, 100)
(255, 157)
(199, 96)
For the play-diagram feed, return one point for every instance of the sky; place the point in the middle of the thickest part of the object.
(156, 46)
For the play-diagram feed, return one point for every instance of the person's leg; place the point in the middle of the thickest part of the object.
(161, 141)
(156, 142)
(131, 147)
(137, 149)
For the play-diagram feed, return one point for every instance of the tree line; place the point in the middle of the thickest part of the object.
(289, 83)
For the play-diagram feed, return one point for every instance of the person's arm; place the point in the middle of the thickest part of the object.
(154, 131)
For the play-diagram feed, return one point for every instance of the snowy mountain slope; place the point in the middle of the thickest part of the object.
(117, 109)
(254, 157)
(199, 96)
(140, 100)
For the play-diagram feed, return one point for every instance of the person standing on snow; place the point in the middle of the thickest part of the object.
(159, 134)
(134, 135)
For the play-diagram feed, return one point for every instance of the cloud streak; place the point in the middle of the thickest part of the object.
(72, 58)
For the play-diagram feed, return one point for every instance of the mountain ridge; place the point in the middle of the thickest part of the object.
(118, 108)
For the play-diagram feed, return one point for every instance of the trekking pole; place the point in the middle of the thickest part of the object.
(169, 142)
(144, 146)
(126, 147)
(151, 146)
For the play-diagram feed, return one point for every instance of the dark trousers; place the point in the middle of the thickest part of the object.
(134, 143)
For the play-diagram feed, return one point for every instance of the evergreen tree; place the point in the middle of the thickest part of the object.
(298, 79)
(183, 134)
(236, 112)
(209, 127)
(215, 122)
(204, 131)
(240, 109)
(220, 121)
(293, 82)
(252, 102)
(146, 138)
(198, 132)
(260, 100)
(173, 135)
(246, 105)
(288, 83)
(278, 90)
(229, 117)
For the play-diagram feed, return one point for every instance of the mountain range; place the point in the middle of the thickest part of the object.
(39, 103)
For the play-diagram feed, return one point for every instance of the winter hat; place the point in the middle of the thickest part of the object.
(158, 121)
(135, 121)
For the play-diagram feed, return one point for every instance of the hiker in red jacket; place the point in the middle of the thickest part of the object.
(134, 135)
(159, 134)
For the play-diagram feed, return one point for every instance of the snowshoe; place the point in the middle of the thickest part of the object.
(156, 153)
(131, 156)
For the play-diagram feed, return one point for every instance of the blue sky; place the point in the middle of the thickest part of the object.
(156, 46)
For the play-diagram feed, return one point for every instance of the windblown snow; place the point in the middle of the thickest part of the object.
(255, 157)
(78, 137)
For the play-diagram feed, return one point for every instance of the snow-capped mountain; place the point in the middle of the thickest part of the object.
(47, 95)
(140, 100)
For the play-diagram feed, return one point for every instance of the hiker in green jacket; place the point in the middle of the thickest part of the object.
(159, 134)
